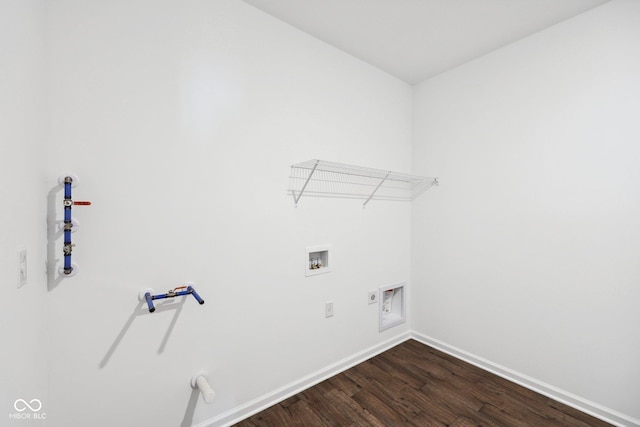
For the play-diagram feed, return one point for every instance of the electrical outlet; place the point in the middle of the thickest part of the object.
(22, 267)
(328, 309)
(373, 297)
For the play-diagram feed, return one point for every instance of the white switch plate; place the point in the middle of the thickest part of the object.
(328, 309)
(22, 267)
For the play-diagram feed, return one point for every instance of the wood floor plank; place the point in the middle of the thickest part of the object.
(503, 394)
(343, 383)
(454, 390)
(494, 384)
(571, 416)
(516, 416)
(325, 409)
(431, 406)
(411, 365)
(413, 384)
(396, 370)
(379, 408)
(303, 415)
(384, 386)
(359, 415)
(468, 422)
(275, 416)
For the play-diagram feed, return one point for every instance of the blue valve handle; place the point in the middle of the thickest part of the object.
(149, 299)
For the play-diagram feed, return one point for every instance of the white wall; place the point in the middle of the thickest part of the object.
(181, 120)
(527, 254)
(23, 370)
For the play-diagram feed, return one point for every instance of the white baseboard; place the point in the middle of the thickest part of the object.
(254, 406)
(261, 403)
(569, 399)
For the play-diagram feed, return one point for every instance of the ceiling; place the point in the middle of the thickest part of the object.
(418, 39)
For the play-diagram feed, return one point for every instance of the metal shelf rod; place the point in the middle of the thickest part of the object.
(374, 191)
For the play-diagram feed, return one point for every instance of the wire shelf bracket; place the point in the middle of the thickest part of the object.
(321, 178)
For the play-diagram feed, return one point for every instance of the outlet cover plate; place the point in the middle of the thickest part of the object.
(373, 297)
(22, 267)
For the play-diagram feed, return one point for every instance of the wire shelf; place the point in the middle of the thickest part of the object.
(320, 178)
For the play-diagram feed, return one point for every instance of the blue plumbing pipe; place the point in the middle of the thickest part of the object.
(149, 299)
(195, 295)
(171, 294)
(67, 225)
(67, 187)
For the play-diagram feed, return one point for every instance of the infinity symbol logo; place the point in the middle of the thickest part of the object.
(21, 403)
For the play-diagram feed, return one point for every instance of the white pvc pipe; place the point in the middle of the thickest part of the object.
(200, 382)
(205, 389)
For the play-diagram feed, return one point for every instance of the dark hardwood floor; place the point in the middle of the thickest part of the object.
(415, 385)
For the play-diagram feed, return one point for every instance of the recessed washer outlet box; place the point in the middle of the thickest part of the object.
(317, 260)
(391, 307)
